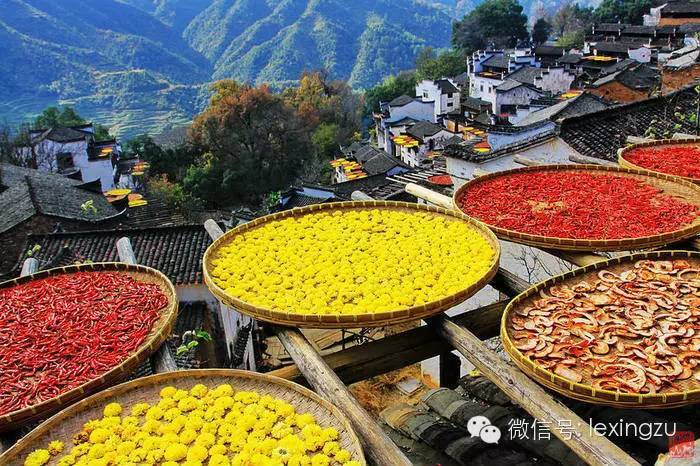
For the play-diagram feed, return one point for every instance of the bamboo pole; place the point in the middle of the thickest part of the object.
(379, 447)
(163, 360)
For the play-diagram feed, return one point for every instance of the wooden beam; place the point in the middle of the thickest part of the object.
(508, 283)
(579, 258)
(593, 449)
(163, 360)
(377, 444)
(398, 351)
(638, 140)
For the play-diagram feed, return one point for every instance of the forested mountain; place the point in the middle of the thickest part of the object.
(144, 64)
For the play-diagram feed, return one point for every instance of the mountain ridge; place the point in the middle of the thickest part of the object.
(138, 64)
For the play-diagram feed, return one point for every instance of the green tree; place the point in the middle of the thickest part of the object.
(389, 89)
(624, 11)
(429, 65)
(53, 117)
(498, 22)
(573, 39)
(325, 140)
(541, 31)
(255, 141)
(572, 18)
(171, 162)
(173, 195)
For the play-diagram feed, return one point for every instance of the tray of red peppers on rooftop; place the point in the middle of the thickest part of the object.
(583, 207)
(675, 157)
(68, 332)
(622, 332)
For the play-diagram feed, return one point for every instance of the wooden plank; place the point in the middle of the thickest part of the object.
(528, 162)
(377, 444)
(534, 399)
(403, 349)
(508, 283)
(163, 360)
(321, 377)
(638, 140)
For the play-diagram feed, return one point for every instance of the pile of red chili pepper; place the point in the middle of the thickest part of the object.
(441, 180)
(680, 160)
(59, 332)
(575, 204)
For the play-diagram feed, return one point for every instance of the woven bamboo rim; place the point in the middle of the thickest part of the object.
(350, 320)
(582, 391)
(669, 184)
(68, 422)
(159, 334)
(621, 153)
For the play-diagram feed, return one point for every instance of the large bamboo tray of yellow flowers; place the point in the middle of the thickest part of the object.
(351, 264)
(219, 417)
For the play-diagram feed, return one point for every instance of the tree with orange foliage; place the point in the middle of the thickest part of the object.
(252, 142)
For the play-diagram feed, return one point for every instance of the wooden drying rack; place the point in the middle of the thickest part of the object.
(329, 375)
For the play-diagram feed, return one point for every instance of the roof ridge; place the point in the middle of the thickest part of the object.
(115, 230)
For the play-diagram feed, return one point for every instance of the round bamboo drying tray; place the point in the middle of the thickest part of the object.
(159, 334)
(355, 320)
(622, 160)
(583, 391)
(64, 425)
(669, 184)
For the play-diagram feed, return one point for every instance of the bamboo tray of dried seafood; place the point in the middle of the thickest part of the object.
(675, 157)
(68, 332)
(351, 264)
(583, 207)
(114, 420)
(620, 332)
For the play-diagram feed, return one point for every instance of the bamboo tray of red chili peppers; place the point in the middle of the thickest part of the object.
(621, 332)
(583, 207)
(68, 332)
(675, 157)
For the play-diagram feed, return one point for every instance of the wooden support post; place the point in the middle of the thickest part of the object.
(574, 432)
(397, 351)
(163, 360)
(376, 443)
(450, 366)
(378, 446)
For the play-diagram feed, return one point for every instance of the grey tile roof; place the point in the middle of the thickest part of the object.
(401, 100)
(445, 86)
(175, 251)
(381, 163)
(424, 129)
(639, 30)
(49, 194)
(681, 7)
(508, 85)
(526, 74)
(496, 61)
(580, 105)
(473, 103)
(549, 50)
(403, 121)
(570, 59)
(640, 77)
(609, 27)
(614, 47)
(601, 134)
(62, 135)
